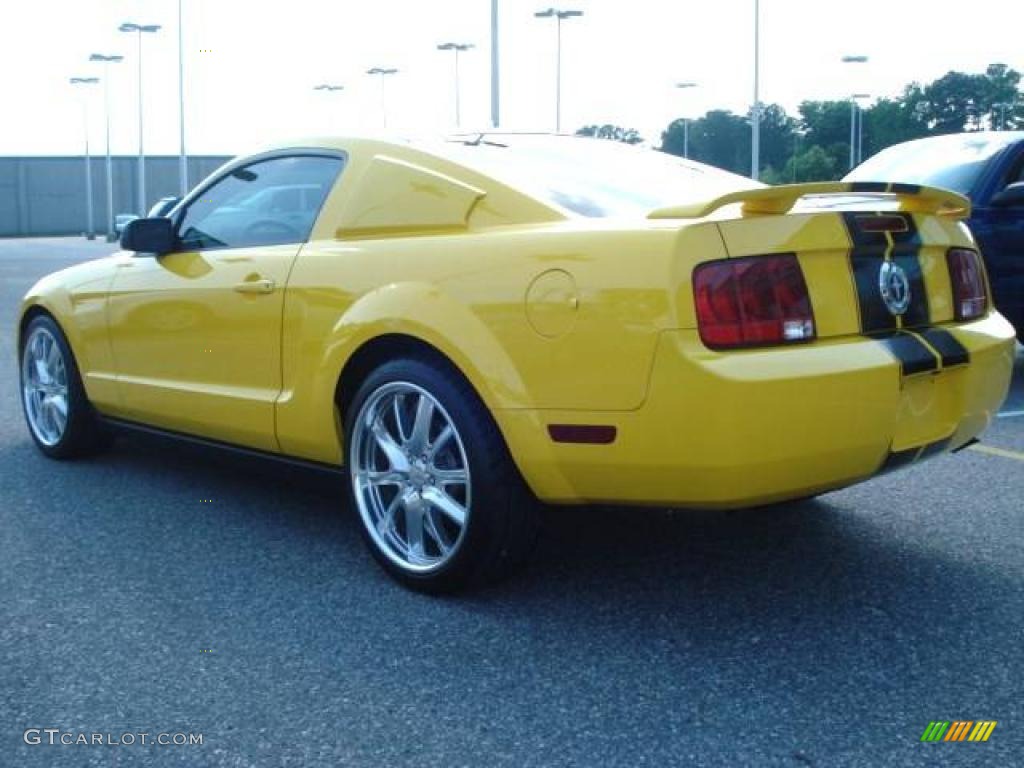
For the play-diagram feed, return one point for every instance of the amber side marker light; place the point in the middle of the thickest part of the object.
(594, 434)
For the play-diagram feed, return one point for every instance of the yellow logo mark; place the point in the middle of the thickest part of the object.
(958, 730)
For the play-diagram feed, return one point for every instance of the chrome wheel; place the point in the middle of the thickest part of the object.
(410, 476)
(44, 387)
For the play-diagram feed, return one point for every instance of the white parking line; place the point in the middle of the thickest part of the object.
(991, 450)
(1009, 414)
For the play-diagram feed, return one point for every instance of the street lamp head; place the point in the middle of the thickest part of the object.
(854, 59)
(111, 59)
(556, 12)
(83, 80)
(861, 96)
(455, 46)
(686, 85)
(381, 71)
(129, 26)
(328, 87)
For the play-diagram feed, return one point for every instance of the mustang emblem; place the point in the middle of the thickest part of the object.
(894, 287)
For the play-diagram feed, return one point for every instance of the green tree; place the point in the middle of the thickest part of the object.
(720, 138)
(814, 164)
(956, 102)
(777, 136)
(891, 121)
(613, 132)
(1004, 98)
(827, 124)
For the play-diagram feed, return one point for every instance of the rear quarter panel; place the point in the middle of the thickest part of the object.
(583, 339)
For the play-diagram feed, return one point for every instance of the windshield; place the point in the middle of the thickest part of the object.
(952, 162)
(595, 177)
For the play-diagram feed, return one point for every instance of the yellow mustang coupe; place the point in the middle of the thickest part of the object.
(472, 325)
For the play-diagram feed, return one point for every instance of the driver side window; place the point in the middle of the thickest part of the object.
(270, 202)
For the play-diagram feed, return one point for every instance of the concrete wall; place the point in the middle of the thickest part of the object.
(46, 195)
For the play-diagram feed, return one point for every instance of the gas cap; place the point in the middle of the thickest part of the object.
(552, 301)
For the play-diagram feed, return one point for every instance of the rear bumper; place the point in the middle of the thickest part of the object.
(753, 427)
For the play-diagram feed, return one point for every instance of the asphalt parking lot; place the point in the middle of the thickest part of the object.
(825, 633)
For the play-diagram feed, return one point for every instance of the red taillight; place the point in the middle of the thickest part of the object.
(752, 301)
(970, 299)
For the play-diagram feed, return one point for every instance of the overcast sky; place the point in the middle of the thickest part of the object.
(250, 66)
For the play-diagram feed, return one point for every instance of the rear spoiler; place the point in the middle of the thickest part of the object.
(777, 200)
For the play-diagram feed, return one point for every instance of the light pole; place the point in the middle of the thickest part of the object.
(755, 113)
(686, 121)
(457, 48)
(139, 29)
(383, 72)
(182, 157)
(90, 233)
(495, 79)
(559, 16)
(853, 111)
(860, 124)
(328, 88)
(1002, 106)
(107, 61)
(796, 154)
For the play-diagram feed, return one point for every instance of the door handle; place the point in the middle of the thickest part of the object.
(255, 286)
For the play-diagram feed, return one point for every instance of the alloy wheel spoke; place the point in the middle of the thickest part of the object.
(414, 529)
(444, 503)
(450, 476)
(386, 522)
(435, 530)
(392, 450)
(49, 423)
(396, 408)
(385, 477)
(421, 425)
(52, 355)
(58, 413)
(439, 442)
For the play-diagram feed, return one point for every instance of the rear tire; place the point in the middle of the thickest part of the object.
(61, 420)
(441, 504)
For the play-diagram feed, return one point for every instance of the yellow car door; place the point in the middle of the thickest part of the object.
(196, 333)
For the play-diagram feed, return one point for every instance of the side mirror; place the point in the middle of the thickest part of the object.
(155, 236)
(1012, 196)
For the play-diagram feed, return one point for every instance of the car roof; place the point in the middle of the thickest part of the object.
(1004, 138)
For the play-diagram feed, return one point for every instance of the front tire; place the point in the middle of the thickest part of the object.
(441, 503)
(60, 418)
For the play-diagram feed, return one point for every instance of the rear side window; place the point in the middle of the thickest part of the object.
(270, 202)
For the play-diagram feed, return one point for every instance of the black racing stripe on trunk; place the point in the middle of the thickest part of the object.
(905, 251)
(898, 459)
(912, 353)
(905, 189)
(866, 257)
(869, 186)
(946, 344)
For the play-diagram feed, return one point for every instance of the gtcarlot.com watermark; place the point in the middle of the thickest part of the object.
(56, 737)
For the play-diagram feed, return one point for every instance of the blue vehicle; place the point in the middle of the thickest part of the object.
(987, 167)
